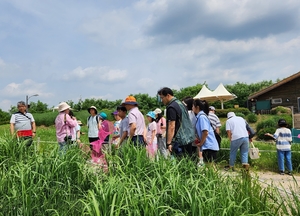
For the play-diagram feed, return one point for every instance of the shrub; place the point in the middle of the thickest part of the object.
(280, 110)
(240, 114)
(222, 113)
(251, 118)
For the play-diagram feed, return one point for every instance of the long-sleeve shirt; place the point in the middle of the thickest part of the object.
(64, 125)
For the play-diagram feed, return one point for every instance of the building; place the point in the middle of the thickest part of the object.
(283, 93)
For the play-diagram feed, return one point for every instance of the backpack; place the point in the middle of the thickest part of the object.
(185, 134)
(97, 119)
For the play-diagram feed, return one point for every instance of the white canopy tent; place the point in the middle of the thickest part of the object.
(219, 94)
(223, 95)
(206, 94)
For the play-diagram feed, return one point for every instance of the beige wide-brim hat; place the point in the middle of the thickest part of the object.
(92, 107)
(63, 106)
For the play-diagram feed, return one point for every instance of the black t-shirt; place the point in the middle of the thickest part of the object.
(174, 113)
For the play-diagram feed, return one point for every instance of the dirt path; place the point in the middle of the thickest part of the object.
(282, 182)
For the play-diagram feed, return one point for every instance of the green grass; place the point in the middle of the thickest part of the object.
(39, 181)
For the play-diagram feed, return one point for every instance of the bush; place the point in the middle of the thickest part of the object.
(251, 118)
(222, 113)
(5, 117)
(240, 114)
(280, 110)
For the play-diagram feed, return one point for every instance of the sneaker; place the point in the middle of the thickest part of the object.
(281, 172)
(290, 173)
(226, 168)
(200, 164)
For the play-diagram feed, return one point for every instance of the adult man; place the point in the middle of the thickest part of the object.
(23, 124)
(239, 139)
(124, 125)
(179, 130)
(137, 127)
(214, 120)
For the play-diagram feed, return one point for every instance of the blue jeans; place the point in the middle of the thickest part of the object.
(63, 147)
(243, 145)
(288, 157)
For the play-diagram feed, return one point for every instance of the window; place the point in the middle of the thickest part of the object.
(276, 101)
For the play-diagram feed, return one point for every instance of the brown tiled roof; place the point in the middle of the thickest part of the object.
(265, 90)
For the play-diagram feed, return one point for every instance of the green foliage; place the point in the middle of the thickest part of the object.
(38, 107)
(188, 91)
(46, 119)
(280, 110)
(4, 117)
(240, 114)
(223, 112)
(251, 118)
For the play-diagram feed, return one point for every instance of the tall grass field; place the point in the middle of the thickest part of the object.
(37, 180)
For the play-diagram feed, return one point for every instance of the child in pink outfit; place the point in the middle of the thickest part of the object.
(151, 135)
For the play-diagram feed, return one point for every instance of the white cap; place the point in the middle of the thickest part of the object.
(230, 114)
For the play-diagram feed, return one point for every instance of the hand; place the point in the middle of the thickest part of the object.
(170, 148)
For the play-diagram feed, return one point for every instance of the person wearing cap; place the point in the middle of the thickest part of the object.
(283, 138)
(214, 119)
(93, 124)
(137, 127)
(239, 139)
(161, 132)
(116, 133)
(124, 125)
(22, 124)
(64, 125)
(179, 130)
(151, 135)
(104, 125)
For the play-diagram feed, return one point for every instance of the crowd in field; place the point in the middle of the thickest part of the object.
(186, 128)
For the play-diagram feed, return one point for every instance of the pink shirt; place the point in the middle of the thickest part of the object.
(64, 129)
(158, 124)
(135, 116)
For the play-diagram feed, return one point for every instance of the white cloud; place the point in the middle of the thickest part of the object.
(145, 83)
(27, 87)
(99, 74)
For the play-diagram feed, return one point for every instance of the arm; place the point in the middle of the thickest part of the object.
(12, 128)
(170, 134)
(229, 134)
(124, 135)
(33, 126)
(218, 130)
(132, 128)
(203, 138)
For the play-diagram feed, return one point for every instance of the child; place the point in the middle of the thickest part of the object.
(151, 135)
(283, 137)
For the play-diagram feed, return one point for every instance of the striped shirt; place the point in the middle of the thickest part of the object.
(22, 121)
(215, 121)
(283, 138)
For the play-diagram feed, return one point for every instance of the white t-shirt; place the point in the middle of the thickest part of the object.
(237, 126)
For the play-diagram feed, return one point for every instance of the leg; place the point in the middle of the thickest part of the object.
(280, 158)
(288, 157)
(234, 146)
(244, 148)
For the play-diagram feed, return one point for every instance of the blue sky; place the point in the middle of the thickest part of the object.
(67, 50)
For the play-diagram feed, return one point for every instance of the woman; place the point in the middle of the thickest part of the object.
(207, 141)
(64, 125)
(161, 132)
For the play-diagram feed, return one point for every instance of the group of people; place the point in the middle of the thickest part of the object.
(190, 127)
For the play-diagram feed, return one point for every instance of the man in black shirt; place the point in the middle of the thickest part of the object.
(179, 130)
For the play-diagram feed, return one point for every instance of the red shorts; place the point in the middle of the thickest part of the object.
(24, 133)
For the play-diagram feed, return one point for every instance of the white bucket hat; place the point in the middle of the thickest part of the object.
(230, 114)
(157, 111)
(63, 106)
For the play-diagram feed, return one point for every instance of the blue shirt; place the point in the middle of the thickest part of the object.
(202, 124)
